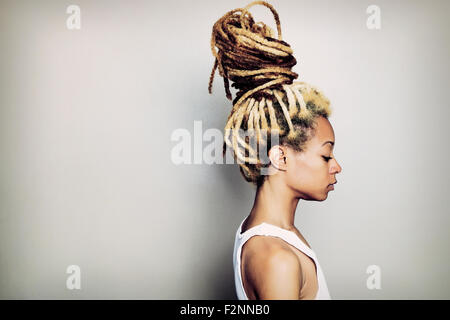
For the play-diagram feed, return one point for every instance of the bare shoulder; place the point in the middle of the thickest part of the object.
(272, 268)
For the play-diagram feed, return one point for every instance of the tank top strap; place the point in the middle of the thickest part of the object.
(267, 229)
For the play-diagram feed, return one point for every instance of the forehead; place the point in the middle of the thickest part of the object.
(324, 131)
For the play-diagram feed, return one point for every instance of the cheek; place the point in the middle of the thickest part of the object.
(309, 173)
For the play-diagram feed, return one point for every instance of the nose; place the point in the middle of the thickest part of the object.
(336, 168)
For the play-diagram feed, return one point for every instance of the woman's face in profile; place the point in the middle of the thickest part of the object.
(311, 172)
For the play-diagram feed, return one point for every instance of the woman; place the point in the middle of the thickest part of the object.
(288, 120)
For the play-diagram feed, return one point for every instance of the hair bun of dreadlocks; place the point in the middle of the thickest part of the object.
(268, 99)
(249, 55)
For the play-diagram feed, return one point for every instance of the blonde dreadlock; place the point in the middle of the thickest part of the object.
(268, 98)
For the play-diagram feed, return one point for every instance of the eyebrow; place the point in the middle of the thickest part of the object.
(331, 142)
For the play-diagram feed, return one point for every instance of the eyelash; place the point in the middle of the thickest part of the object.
(327, 158)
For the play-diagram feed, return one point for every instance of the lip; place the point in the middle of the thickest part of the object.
(331, 186)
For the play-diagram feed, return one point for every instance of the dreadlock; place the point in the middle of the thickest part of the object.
(267, 96)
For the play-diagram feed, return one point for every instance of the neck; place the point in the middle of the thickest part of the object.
(274, 203)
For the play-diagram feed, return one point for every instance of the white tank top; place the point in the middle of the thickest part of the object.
(290, 237)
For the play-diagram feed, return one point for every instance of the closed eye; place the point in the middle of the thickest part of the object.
(327, 158)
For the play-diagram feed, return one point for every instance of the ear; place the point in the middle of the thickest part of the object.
(277, 156)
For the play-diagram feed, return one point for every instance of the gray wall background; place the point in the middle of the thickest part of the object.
(86, 118)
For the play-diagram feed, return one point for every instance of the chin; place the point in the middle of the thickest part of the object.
(322, 198)
(316, 197)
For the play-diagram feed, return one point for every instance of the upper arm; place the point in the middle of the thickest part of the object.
(277, 275)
